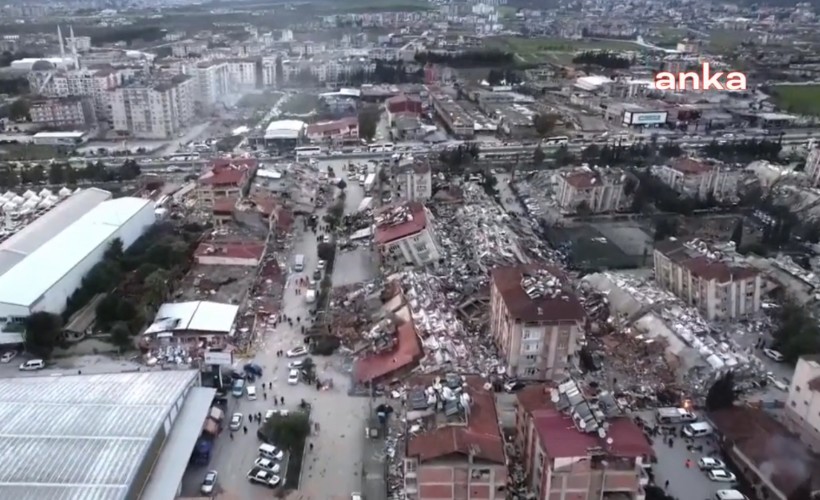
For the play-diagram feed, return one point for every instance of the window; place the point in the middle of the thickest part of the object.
(531, 357)
(532, 347)
(410, 466)
(531, 372)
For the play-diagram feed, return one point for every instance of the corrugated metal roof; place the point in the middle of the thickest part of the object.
(81, 437)
(38, 272)
(41, 230)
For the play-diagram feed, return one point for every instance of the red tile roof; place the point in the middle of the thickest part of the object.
(385, 233)
(236, 250)
(534, 397)
(689, 166)
(702, 266)
(481, 435)
(581, 180)
(228, 172)
(338, 126)
(559, 437)
(245, 163)
(407, 353)
(628, 440)
(564, 306)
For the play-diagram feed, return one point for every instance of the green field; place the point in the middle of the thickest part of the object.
(557, 50)
(802, 99)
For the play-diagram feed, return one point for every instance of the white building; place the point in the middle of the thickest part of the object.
(720, 288)
(176, 322)
(63, 112)
(154, 110)
(803, 403)
(94, 83)
(591, 191)
(44, 279)
(269, 71)
(79, 43)
(405, 233)
(415, 182)
(242, 74)
(212, 83)
(699, 180)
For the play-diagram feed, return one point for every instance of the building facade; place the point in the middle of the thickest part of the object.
(535, 320)
(63, 112)
(592, 191)
(154, 109)
(720, 288)
(415, 182)
(699, 180)
(803, 404)
(404, 233)
(225, 181)
(813, 165)
(212, 83)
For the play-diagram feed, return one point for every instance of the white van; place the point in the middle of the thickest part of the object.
(33, 364)
(299, 263)
(730, 495)
(251, 393)
(697, 429)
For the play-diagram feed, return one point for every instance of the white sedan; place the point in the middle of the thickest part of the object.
(293, 377)
(267, 464)
(773, 355)
(236, 421)
(722, 476)
(297, 351)
(709, 463)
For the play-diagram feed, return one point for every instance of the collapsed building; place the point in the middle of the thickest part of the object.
(404, 232)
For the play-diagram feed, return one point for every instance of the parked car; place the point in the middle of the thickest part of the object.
(709, 463)
(253, 368)
(296, 364)
(721, 476)
(236, 421)
(513, 386)
(209, 483)
(297, 351)
(8, 356)
(293, 377)
(780, 384)
(267, 464)
(251, 392)
(773, 355)
(33, 364)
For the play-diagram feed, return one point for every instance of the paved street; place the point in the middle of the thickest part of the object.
(333, 469)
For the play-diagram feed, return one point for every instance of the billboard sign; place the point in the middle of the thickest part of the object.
(648, 118)
(218, 358)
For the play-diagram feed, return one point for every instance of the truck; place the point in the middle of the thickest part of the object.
(674, 416)
(264, 477)
(369, 182)
(310, 296)
(205, 444)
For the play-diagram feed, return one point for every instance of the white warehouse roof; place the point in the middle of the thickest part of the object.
(86, 437)
(200, 316)
(26, 282)
(41, 230)
(285, 129)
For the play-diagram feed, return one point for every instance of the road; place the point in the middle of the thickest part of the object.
(333, 468)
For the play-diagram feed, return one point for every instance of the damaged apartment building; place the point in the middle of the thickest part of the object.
(592, 190)
(535, 320)
(718, 283)
(577, 443)
(404, 234)
(454, 444)
(700, 180)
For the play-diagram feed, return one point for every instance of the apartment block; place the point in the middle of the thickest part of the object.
(269, 71)
(803, 404)
(579, 448)
(95, 83)
(225, 181)
(62, 112)
(699, 179)
(414, 181)
(212, 83)
(535, 320)
(719, 284)
(457, 450)
(242, 74)
(404, 232)
(595, 191)
(156, 108)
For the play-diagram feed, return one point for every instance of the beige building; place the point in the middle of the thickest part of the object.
(156, 109)
(536, 320)
(95, 83)
(415, 181)
(404, 233)
(717, 285)
(700, 180)
(212, 83)
(63, 112)
(592, 191)
(803, 404)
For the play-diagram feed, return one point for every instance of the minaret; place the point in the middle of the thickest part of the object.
(62, 44)
(74, 47)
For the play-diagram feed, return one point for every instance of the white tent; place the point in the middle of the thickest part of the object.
(45, 193)
(64, 191)
(29, 194)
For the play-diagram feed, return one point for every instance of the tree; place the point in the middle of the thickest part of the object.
(341, 184)
(19, 110)
(308, 369)
(368, 122)
(43, 331)
(326, 251)
(665, 228)
(121, 336)
(544, 123)
(288, 431)
(156, 287)
(722, 394)
(538, 156)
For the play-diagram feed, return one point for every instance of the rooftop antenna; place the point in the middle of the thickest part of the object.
(62, 44)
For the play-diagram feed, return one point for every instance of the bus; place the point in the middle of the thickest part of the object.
(305, 151)
(387, 147)
(560, 140)
(184, 157)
